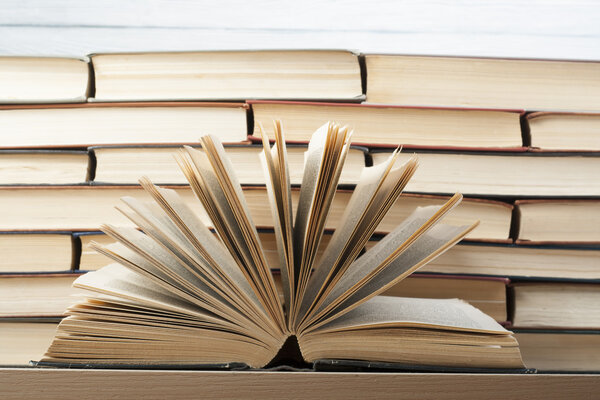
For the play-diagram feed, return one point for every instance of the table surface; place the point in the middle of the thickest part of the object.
(510, 28)
(84, 384)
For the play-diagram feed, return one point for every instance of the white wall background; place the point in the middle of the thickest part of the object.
(533, 29)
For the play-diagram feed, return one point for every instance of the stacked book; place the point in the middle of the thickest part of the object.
(518, 138)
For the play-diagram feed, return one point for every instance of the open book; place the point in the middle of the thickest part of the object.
(183, 294)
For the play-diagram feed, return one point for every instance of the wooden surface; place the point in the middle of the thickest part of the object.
(108, 384)
(510, 28)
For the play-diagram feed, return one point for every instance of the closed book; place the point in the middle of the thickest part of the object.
(125, 165)
(533, 85)
(504, 174)
(228, 75)
(560, 350)
(556, 305)
(43, 80)
(36, 252)
(24, 339)
(37, 295)
(83, 125)
(44, 167)
(558, 221)
(561, 131)
(85, 208)
(392, 126)
(519, 261)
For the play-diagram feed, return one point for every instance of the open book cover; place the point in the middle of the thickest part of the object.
(181, 294)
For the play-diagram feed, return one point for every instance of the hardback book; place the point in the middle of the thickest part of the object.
(124, 165)
(533, 85)
(505, 174)
(389, 125)
(43, 80)
(41, 167)
(494, 216)
(558, 221)
(83, 125)
(179, 296)
(68, 208)
(517, 261)
(24, 340)
(560, 350)
(90, 259)
(37, 295)
(563, 305)
(228, 75)
(488, 294)
(35, 252)
(560, 131)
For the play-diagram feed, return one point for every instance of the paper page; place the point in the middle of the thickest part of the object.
(207, 245)
(116, 280)
(312, 165)
(232, 188)
(427, 247)
(234, 227)
(382, 254)
(158, 224)
(277, 190)
(326, 154)
(386, 311)
(378, 188)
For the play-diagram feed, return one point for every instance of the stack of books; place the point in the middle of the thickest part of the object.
(518, 138)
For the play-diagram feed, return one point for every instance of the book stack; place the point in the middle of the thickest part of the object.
(518, 138)
(550, 178)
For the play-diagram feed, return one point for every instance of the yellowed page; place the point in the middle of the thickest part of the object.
(276, 172)
(231, 221)
(402, 312)
(324, 160)
(218, 262)
(406, 249)
(116, 280)
(232, 188)
(371, 199)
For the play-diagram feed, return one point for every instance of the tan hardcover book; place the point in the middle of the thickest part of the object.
(564, 131)
(24, 340)
(558, 221)
(537, 85)
(43, 80)
(125, 165)
(42, 167)
(228, 75)
(561, 305)
(378, 125)
(69, 208)
(560, 351)
(37, 295)
(505, 174)
(179, 295)
(82, 125)
(25, 252)
(518, 261)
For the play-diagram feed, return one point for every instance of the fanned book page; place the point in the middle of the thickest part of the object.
(183, 294)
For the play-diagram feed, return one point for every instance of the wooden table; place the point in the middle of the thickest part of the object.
(29, 383)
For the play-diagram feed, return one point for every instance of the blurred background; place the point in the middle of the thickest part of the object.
(531, 29)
